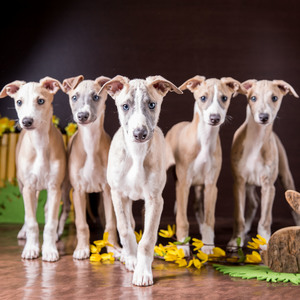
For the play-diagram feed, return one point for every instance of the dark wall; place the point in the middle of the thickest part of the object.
(175, 39)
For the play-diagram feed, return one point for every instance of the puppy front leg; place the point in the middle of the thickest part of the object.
(82, 250)
(32, 248)
(49, 249)
(123, 212)
(267, 199)
(207, 228)
(111, 223)
(239, 193)
(143, 272)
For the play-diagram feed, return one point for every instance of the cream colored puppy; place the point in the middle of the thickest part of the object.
(136, 166)
(40, 159)
(88, 155)
(257, 157)
(195, 148)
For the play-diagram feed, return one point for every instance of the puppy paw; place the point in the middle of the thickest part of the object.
(142, 277)
(81, 253)
(130, 262)
(22, 234)
(117, 251)
(207, 249)
(31, 252)
(50, 255)
(232, 245)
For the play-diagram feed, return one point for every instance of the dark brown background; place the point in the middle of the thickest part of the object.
(175, 39)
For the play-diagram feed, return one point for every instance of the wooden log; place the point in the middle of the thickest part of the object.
(293, 198)
(11, 157)
(3, 158)
(283, 252)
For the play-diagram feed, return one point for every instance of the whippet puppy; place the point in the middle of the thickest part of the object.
(195, 149)
(40, 160)
(87, 157)
(257, 156)
(136, 166)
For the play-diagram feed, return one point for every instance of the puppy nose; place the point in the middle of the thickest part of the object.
(215, 118)
(263, 117)
(140, 133)
(83, 116)
(27, 122)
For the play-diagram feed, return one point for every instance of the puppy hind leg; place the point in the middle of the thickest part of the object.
(251, 206)
(198, 205)
(110, 223)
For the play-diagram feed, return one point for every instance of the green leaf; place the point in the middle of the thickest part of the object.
(238, 241)
(186, 240)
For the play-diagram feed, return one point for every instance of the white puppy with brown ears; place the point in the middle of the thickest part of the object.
(87, 157)
(195, 149)
(257, 157)
(136, 166)
(40, 159)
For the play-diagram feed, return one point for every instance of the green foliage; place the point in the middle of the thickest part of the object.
(258, 272)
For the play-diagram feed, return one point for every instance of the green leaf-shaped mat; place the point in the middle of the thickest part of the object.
(258, 272)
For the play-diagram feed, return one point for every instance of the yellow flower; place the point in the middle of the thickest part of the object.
(55, 120)
(167, 233)
(202, 256)
(198, 244)
(94, 249)
(173, 254)
(71, 129)
(253, 258)
(6, 125)
(104, 242)
(108, 257)
(138, 236)
(257, 242)
(181, 262)
(217, 253)
(196, 262)
(160, 250)
(95, 257)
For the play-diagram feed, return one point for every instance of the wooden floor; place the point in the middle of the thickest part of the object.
(73, 279)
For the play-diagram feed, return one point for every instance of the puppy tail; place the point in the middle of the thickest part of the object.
(285, 174)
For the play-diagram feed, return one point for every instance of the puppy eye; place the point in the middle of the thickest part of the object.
(274, 98)
(203, 98)
(224, 98)
(41, 101)
(19, 102)
(152, 105)
(125, 107)
(74, 98)
(253, 98)
(96, 97)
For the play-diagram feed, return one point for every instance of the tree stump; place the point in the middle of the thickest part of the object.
(283, 252)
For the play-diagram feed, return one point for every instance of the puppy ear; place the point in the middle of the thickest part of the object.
(102, 80)
(234, 86)
(248, 84)
(285, 88)
(192, 83)
(71, 83)
(52, 85)
(11, 89)
(162, 85)
(115, 85)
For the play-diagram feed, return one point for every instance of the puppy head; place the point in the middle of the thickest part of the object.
(213, 96)
(33, 101)
(139, 103)
(86, 101)
(265, 97)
